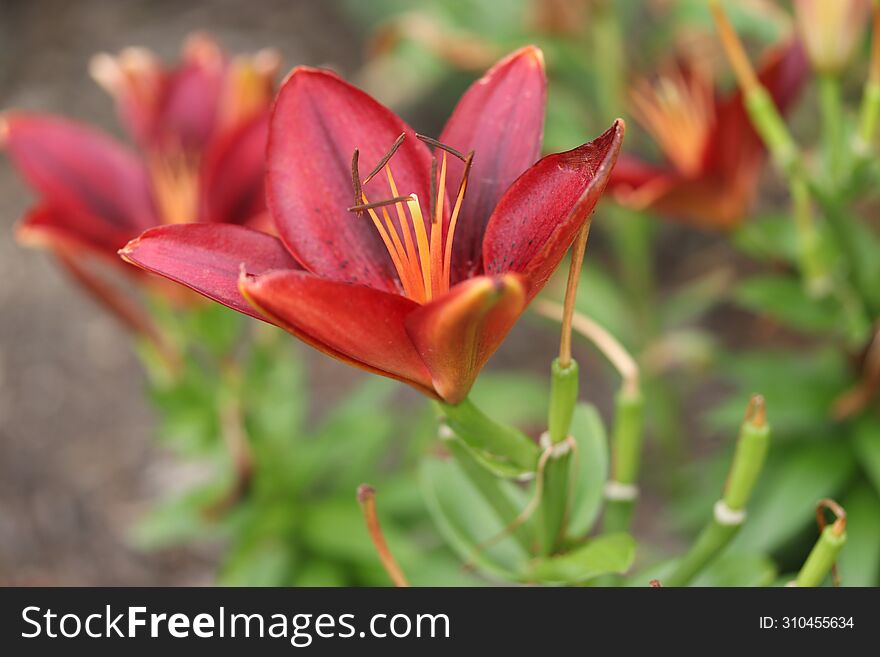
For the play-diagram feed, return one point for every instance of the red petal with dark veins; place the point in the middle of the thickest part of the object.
(318, 121)
(501, 119)
(233, 173)
(457, 333)
(93, 182)
(539, 216)
(735, 144)
(209, 258)
(354, 323)
(48, 227)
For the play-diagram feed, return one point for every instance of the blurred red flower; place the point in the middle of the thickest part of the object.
(713, 154)
(200, 128)
(418, 281)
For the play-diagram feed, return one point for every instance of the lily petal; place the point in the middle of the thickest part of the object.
(92, 180)
(47, 227)
(189, 110)
(209, 258)
(539, 216)
(233, 173)
(318, 121)
(501, 119)
(457, 333)
(354, 323)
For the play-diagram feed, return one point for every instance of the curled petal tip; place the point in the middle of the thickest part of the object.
(535, 54)
(365, 492)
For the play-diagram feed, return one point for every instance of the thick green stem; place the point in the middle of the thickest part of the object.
(831, 106)
(484, 434)
(711, 542)
(555, 496)
(869, 114)
(729, 512)
(822, 557)
(815, 272)
(626, 450)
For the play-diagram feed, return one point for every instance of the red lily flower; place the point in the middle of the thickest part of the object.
(422, 287)
(713, 153)
(201, 129)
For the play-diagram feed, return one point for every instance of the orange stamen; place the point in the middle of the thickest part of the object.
(423, 264)
(175, 181)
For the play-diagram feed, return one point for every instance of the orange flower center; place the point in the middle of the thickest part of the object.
(175, 177)
(678, 111)
(423, 264)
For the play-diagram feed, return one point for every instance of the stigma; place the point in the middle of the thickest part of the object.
(421, 250)
(678, 110)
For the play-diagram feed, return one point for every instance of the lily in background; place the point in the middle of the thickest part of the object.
(713, 154)
(200, 128)
(831, 30)
(419, 268)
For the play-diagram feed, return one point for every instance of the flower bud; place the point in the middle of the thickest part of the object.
(831, 30)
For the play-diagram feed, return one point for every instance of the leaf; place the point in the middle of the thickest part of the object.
(604, 555)
(799, 390)
(591, 463)
(785, 502)
(744, 569)
(693, 299)
(768, 238)
(521, 399)
(783, 298)
(859, 562)
(467, 522)
(866, 442)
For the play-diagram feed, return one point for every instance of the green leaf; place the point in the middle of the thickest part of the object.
(732, 569)
(785, 500)
(695, 298)
(799, 390)
(866, 442)
(467, 522)
(604, 555)
(591, 463)
(768, 238)
(521, 399)
(783, 298)
(859, 561)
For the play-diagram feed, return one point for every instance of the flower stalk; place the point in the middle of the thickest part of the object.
(870, 110)
(729, 512)
(783, 149)
(823, 556)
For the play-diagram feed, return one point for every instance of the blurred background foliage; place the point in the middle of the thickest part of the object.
(711, 317)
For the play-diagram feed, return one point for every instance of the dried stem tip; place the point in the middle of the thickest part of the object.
(756, 411)
(839, 516)
(366, 496)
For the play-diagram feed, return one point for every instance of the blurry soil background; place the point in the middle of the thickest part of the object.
(78, 462)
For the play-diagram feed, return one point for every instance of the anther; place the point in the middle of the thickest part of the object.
(356, 178)
(379, 204)
(443, 147)
(385, 158)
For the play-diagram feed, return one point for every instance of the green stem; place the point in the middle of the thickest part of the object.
(831, 107)
(711, 542)
(814, 269)
(626, 450)
(729, 512)
(484, 434)
(869, 113)
(555, 496)
(821, 559)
